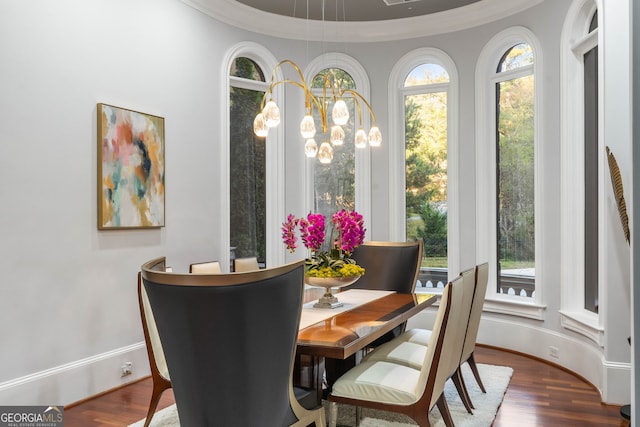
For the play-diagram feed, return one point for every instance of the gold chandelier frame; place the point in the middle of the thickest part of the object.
(269, 115)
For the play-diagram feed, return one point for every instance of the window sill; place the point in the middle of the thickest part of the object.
(583, 323)
(515, 308)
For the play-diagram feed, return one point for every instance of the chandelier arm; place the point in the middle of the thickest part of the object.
(364, 101)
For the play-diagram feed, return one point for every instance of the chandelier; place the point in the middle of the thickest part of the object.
(332, 93)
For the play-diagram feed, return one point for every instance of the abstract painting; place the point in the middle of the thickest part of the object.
(130, 169)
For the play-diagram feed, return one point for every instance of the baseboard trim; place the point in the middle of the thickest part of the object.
(75, 381)
(580, 357)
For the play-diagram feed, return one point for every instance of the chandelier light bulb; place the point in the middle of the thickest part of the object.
(271, 114)
(311, 148)
(340, 113)
(260, 127)
(360, 139)
(375, 137)
(325, 154)
(337, 135)
(307, 127)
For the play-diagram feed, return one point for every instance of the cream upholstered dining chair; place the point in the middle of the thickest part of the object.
(157, 363)
(245, 264)
(475, 284)
(481, 279)
(410, 353)
(390, 386)
(244, 314)
(208, 267)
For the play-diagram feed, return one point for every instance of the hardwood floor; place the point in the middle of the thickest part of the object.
(539, 395)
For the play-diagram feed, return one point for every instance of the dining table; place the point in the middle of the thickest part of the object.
(329, 339)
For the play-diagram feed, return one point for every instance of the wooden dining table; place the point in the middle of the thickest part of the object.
(329, 339)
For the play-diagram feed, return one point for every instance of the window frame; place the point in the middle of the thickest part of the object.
(486, 211)
(397, 172)
(576, 40)
(274, 155)
(362, 156)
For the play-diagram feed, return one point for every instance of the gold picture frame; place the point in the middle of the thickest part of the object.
(131, 154)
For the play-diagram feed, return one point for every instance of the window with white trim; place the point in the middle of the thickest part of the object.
(346, 181)
(247, 167)
(507, 167)
(582, 165)
(269, 167)
(424, 116)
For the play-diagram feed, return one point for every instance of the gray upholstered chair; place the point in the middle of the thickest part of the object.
(386, 385)
(230, 341)
(208, 267)
(157, 363)
(389, 266)
(241, 265)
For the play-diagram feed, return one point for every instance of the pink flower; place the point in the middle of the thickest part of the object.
(312, 231)
(288, 232)
(350, 227)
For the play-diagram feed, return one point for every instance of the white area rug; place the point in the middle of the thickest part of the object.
(495, 379)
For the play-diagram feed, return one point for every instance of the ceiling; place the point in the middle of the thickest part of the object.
(355, 10)
(356, 21)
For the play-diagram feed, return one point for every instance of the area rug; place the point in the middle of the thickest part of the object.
(495, 379)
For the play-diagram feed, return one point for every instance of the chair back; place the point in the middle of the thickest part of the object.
(229, 341)
(155, 352)
(209, 267)
(481, 279)
(436, 367)
(245, 264)
(390, 266)
(462, 325)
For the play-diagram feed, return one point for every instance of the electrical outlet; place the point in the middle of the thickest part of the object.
(127, 369)
(554, 351)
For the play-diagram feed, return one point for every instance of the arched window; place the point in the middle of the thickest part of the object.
(425, 143)
(424, 117)
(334, 183)
(251, 168)
(509, 220)
(247, 168)
(515, 169)
(582, 170)
(346, 181)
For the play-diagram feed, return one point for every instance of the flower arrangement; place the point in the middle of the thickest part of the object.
(330, 258)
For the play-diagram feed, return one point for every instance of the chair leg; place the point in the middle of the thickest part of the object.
(472, 364)
(462, 390)
(159, 386)
(444, 411)
(333, 414)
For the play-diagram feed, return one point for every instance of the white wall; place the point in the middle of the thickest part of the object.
(68, 295)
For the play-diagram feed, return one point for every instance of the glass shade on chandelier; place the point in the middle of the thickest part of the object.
(325, 153)
(307, 127)
(337, 135)
(340, 113)
(310, 148)
(269, 117)
(271, 114)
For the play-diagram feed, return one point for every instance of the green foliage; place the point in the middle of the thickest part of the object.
(426, 171)
(433, 232)
(247, 176)
(516, 194)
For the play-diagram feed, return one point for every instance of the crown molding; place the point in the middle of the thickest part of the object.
(242, 16)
